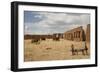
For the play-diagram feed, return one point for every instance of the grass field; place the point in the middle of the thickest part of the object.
(52, 50)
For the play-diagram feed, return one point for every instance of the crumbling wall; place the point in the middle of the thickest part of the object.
(88, 33)
(76, 34)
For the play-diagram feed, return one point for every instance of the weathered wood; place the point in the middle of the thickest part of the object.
(76, 51)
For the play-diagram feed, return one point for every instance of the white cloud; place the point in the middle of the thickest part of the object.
(57, 22)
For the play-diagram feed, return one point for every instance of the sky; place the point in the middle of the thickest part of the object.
(39, 22)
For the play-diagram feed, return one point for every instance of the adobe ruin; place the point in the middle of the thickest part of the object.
(88, 33)
(58, 35)
(76, 34)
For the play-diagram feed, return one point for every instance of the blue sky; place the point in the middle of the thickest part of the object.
(53, 22)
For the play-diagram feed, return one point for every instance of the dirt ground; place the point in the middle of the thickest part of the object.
(48, 49)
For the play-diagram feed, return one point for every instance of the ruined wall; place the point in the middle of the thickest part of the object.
(76, 34)
(57, 35)
(88, 33)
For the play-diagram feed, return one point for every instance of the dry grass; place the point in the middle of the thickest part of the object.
(52, 50)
